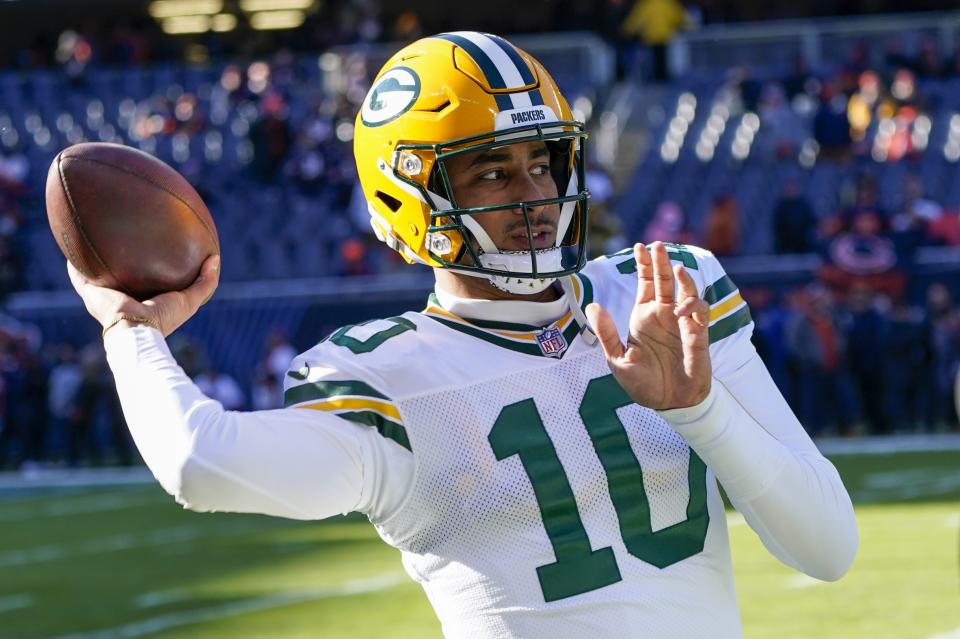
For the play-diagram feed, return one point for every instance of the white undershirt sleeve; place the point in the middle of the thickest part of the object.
(294, 463)
(771, 470)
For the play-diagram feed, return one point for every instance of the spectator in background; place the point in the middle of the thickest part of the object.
(222, 387)
(271, 137)
(65, 380)
(14, 174)
(721, 229)
(771, 316)
(929, 64)
(278, 352)
(794, 222)
(866, 337)
(655, 23)
(831, 129)
(11, 268)
(785, 131)
(407, 27)
(919, 221)
(944, 321)
(267, 393)
(96, 425)
(864, 256)
(796, 82)
(31, 410)
(669, 225)
(910, 369)
(815, 340)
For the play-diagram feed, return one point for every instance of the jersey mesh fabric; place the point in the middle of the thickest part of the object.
(472, 532)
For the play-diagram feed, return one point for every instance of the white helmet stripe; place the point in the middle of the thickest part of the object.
(521, 100)
(508, 70)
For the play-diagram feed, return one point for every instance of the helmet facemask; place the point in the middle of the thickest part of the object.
(524, 271)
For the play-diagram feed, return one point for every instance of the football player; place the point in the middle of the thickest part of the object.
(544, 441)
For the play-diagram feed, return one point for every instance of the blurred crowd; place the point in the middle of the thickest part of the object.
(860, 362)
(59, 406)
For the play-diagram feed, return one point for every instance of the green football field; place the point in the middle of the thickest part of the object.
(128, 562)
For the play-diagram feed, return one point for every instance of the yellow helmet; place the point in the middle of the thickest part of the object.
(456, 93)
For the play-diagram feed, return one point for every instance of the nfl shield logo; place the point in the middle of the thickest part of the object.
(551, 342)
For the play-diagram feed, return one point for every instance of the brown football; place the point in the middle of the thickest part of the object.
(126, 220)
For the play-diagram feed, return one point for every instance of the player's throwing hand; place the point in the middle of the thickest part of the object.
(666, 361)
(165, 312)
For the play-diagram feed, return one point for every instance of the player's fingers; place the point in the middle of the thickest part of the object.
(645, 289)
(694, 308)
(663, 282)
(606, 331)
(687, 287)
(76, 277)
(206, 283)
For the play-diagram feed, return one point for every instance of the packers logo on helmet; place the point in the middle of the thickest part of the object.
(390, 96)
(457, 93)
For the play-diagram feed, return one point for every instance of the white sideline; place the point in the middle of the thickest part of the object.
(803, 581)
(113, 543)
(950, 634)
(887, 444)
(82, 504)
(287, 598)
(75, 477)
(15, 602)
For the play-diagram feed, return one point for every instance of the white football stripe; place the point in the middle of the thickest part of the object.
(160, 623)
(803, 581)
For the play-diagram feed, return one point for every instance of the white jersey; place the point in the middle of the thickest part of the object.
(528, 495)
(544, 503)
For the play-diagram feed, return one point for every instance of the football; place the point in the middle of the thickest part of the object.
(126, 220)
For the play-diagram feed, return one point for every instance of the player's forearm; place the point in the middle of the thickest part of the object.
(281, 462)
(791, 496)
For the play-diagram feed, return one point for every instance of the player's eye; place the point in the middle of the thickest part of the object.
(495, 174)
(540, 169)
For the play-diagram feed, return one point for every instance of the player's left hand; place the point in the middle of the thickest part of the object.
(666, 361)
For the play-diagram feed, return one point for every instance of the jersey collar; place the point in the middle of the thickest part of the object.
(544, 329)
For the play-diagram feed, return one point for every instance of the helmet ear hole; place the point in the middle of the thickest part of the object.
(391, 202)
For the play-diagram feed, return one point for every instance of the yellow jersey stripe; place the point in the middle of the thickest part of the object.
(724, 307)
(355, 403)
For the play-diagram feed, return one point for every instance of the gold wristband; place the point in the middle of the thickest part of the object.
(133, 319)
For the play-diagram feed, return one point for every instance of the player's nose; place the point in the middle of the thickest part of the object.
(527, 190)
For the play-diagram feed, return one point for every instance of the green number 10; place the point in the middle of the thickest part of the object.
(519, 430)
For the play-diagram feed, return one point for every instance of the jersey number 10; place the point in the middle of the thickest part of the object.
(519, 430)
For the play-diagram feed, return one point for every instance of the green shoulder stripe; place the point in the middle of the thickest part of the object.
(317, 391)
(684, 257)
(730, 324)
(387, 428)
(626, 251)
(587, 290)
(719, 290)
